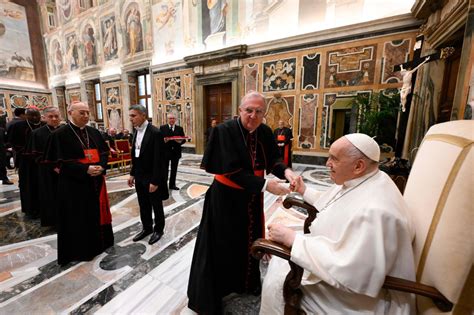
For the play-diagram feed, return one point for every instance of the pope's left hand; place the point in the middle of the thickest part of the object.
(281, 234)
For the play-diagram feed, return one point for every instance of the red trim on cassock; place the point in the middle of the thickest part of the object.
(286, 155)
(105, 215)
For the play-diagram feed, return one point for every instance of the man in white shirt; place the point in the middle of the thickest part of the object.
(361, 235)
(148, 174)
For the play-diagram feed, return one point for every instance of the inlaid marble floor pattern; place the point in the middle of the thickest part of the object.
(129, 278)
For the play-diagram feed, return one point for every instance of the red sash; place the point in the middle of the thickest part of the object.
(281, 138)
(91, 156)
(228, 182)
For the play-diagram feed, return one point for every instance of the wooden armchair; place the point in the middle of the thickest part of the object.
(126, 155)
(114, 156)
(439, 196)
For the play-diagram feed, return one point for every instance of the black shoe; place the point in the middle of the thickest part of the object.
(7, 182)
(141, 235)
(155, 237)
(174, 188)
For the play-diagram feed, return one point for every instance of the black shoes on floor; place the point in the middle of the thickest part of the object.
(141, 235)
(155, 236)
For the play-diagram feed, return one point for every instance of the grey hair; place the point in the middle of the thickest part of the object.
(253, 94)
(138, 107)
(170, 115)
(50, 109)
(354, 153)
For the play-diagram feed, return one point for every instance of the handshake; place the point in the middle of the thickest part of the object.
(278, 187)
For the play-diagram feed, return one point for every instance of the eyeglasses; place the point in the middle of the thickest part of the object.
(250, 111)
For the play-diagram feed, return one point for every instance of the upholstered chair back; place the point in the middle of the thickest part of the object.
(440, 196)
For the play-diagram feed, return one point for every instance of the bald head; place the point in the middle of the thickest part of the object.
(79, 113)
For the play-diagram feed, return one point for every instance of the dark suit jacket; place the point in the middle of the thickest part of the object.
(173, 148)
(150, 165)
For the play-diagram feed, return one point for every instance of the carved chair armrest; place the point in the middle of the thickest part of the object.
(403, 285)
(298, 201)
(263, 246)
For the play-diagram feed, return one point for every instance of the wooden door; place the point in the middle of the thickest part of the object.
(218, 103)
(449, 86)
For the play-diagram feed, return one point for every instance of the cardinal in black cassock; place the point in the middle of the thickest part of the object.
(19, 135)
(84, 219)
(233, 209)
(283, 137)
(47, 177)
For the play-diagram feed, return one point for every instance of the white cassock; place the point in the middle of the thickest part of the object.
(362, 234)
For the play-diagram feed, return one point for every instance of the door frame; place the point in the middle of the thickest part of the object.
(200, 82)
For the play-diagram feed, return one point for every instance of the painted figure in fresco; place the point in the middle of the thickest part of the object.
(167, 14)
(57, 58)
(406, 88)
(110, 39)
(134, 31)
(89, 46)
(72, 56)
(217, 14)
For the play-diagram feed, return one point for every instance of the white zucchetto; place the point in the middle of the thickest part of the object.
(365, 144)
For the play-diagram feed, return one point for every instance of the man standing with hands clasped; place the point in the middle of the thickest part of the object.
(172, 147)
(79, 155)
(148, 174)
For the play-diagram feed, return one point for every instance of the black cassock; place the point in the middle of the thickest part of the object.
(84, 225)
(232, 217)
(48, 179)
(20, 134)
(284, 135)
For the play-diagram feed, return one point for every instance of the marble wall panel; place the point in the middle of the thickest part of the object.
(308, 121)
(188, 86)
(188, 119)
(279, 75)
(310, 71)
(251, 76)
(173, 88)
(280, 108)
(394, 53)
(351, 66)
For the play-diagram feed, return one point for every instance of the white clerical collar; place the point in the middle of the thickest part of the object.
(356, 181)
(77, 125)
(143, 126)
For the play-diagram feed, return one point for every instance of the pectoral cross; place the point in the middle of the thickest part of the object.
(412, 64)
(89, 156)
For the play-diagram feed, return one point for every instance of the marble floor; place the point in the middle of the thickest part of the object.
(129, 278)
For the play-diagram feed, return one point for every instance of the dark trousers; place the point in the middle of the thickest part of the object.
(149, 202)
(174, 170)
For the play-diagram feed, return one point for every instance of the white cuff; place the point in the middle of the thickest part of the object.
(265, 185)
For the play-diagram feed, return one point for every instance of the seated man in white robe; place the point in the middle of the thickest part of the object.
(361, 235)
